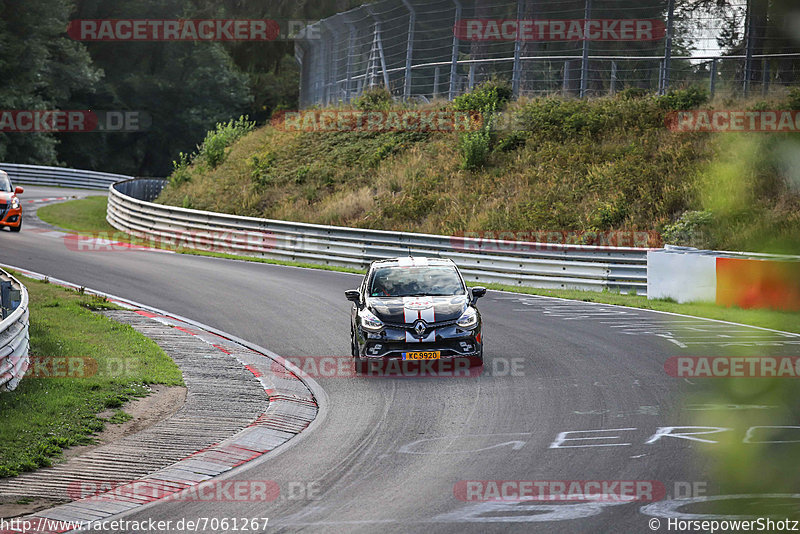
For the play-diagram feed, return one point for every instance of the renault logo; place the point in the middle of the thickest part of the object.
(420, 327)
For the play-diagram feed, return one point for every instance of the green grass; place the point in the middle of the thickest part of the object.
(45, 415)
(83, 215)
(603, 164)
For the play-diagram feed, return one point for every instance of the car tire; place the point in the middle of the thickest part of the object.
(353, 345)
(16, 228)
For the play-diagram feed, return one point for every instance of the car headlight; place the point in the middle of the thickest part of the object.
(369, 321)
(14, 203)
(468, 319)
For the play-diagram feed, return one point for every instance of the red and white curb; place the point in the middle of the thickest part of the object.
(294, 403)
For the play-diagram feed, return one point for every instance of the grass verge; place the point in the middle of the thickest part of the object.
(81, 215)
(104, 364)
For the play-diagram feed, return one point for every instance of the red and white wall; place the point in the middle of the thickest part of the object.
(745, 281)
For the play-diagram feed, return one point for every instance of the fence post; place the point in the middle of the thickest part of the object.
(713, 82)
(327, 60)
(565, 83)
(765, 77)
(613, 86)
(377, 49)
(436, 81)
(454, 53)
(585, 57)
(471, 84)
(515, 75)
(662, 90)
(351, 45)
(409, 49)
(748, 62)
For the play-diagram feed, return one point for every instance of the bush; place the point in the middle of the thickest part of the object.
(794, 98)
(692, 229)
(680, 99)
(632, 92)
(213, 149)
(260, 169)
(513, 141)
(181, 173)
(486, 98)
(374, 100)
(474, 148)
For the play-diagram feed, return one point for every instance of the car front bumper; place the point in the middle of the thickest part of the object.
(451, 342)
(10, 217)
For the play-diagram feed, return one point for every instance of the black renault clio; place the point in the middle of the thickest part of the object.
(415, 309)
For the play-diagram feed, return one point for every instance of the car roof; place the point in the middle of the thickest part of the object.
(413, 261)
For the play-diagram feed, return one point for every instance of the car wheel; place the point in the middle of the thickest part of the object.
(353, 345)
(17, 228)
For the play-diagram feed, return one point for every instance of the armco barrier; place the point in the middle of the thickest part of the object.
(59, 176)
(552, 266)
(14, 336)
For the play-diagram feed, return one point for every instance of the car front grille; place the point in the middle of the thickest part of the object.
(410, 326)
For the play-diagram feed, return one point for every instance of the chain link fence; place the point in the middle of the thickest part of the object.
(424, 50)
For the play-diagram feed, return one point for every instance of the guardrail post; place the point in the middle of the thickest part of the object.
(5, 299)
(454, 53)
(412, 18)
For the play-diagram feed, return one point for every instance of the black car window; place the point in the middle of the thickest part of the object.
(409, 281)
(5, 184)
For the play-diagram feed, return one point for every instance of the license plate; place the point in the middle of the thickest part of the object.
(426, 355)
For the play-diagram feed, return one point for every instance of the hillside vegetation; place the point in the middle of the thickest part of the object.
(603, 164)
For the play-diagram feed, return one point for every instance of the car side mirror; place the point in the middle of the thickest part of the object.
(477, 292)
(18, 191)
(353, 295)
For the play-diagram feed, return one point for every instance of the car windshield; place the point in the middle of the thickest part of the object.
(5, 184)
(416, 281)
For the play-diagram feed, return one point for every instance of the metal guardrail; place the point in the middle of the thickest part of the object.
(60, 176)
(552, 266)
(14, 337)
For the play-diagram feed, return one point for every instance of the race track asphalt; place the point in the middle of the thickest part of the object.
(390, 451)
